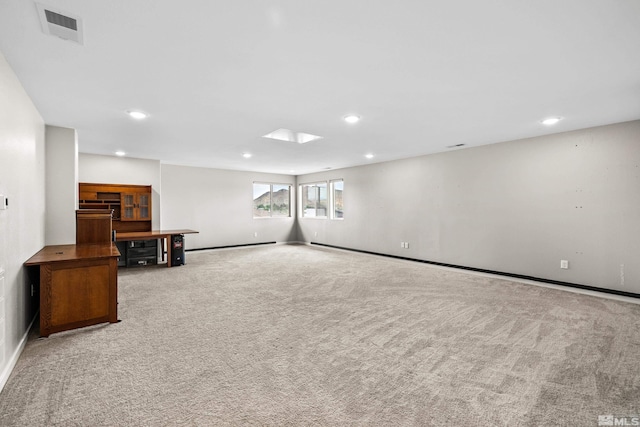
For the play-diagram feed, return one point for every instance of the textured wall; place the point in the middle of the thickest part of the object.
(516, 207)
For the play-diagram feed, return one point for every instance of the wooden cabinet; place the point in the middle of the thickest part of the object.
(78, 285)
(93, 226)
(131, 204)
(135, 206)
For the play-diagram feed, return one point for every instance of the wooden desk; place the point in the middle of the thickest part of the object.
(154, 234)
(78, 285)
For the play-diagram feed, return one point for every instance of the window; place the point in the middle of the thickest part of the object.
(337, 206)
(314, 200)
(280, 200)
(271, 200)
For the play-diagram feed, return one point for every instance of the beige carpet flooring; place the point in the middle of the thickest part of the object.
(299, 335)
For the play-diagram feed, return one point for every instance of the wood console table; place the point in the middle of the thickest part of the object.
(78, 285)
(155, 234)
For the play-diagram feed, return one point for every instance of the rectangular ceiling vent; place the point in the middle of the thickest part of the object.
(60, 24)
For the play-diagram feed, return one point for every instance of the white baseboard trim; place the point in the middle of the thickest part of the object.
(4, 377)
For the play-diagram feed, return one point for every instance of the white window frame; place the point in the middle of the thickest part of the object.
(301, 199)
(332, 196)
(271, 185)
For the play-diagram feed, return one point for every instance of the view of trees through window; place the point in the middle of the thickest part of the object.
(271, 200)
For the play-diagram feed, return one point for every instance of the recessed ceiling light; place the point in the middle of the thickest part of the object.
(138, 115)
(369, 156)
(291, 136)
(246, 155)
(120, 153)
(550, 121)
(352, 118)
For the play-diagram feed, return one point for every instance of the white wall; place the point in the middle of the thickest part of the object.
(516, 207)
(218, 204)
(22, 180)
(61, 173)
(123, 170)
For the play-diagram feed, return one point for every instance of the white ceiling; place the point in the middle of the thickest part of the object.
(216, 75)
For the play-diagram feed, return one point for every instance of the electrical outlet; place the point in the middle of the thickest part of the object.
(564, 264)
(406, 245)
(315, 234)
(402, 245)
(255, 234)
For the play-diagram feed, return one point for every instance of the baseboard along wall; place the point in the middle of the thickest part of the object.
(498, 273)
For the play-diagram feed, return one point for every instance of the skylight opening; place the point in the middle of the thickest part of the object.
(138, 115)
(550, 121)
(289, 135)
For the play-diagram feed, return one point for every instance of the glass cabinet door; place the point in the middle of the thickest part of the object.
(127, 208)
(135, 207)
(144, 206)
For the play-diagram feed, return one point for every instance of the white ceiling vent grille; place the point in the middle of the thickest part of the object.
(60, 24)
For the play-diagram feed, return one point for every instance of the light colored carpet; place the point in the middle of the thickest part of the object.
(298, 335)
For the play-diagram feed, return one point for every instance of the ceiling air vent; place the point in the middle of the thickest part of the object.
(60, 24)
